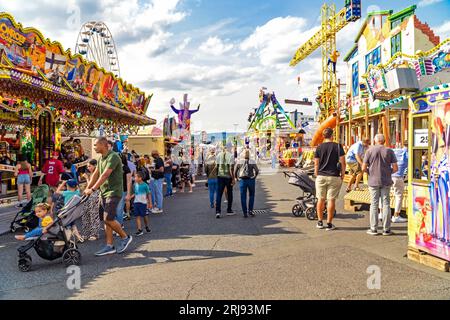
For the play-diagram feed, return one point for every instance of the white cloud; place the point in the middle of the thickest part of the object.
(443, 30)
(180, 48)
(425, 3)
(215, 46)
(276, 41)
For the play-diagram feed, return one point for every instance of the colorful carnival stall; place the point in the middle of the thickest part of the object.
(429, 140)
(47, 93)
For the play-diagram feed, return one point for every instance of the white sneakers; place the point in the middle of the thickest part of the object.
(156, 210)
(399, 220)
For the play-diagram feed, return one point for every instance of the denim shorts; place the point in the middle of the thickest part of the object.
(23, 179)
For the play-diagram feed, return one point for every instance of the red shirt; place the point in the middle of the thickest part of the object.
(52, 168)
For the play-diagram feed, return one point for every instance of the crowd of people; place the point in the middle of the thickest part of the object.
(121, 184)
(386, 169)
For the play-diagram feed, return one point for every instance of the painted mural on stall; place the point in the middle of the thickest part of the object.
(430, 222)
(26, 50)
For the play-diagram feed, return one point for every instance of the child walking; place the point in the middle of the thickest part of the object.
(142, 201)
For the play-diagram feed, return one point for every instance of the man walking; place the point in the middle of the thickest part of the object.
(225, 179)
(354, 159)
(398, 180)
(381, 163)
(108, 178)
(329, 156)
(157, 182)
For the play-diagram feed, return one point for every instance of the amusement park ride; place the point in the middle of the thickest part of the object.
(332, 23)
(266, 118)
(95, 43)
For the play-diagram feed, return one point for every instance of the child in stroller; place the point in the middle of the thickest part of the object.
(26, 219)
(42, 212)
(55, 240)
(306, 204)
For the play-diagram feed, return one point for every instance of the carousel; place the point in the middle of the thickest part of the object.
(47, 93)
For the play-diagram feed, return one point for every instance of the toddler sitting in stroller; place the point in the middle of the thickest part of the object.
(42, 211)
(71, 187)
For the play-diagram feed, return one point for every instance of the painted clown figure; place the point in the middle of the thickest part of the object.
(184, 114)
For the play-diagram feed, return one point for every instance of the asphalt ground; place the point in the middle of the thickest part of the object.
(192, 255)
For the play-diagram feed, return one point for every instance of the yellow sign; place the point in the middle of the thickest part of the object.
(11, 35)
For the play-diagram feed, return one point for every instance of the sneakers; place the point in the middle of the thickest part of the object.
(399, 220)
(105, 251)
(320, 225)
(218, 215)
(387, 233)
(331, 227)
(157, 211)
(225, 201)
(251, 213)
(148, 230)
(124, 243)
(372, 232)
(139, 233)
(231, 213)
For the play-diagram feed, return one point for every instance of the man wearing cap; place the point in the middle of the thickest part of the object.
(52, 170)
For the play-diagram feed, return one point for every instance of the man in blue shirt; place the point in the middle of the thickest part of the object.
(354, 159)
(398, 179)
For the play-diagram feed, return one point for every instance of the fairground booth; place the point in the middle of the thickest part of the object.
(47, 93)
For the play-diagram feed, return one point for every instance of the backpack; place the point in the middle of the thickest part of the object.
(244, 172)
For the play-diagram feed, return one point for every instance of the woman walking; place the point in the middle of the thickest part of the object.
(90, 221)
(168, 164)
(211, 172)
(246, 173)
(185, 174)
(127, 186)
(24, 175)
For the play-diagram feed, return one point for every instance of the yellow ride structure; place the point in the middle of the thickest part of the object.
(332, 23)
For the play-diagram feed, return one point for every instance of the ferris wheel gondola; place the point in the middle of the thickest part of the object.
(96, 43)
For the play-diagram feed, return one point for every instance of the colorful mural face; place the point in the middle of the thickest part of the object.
(26, 49)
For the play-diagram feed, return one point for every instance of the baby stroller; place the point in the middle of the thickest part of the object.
(58, 241)
(307, 203)
(25, 218)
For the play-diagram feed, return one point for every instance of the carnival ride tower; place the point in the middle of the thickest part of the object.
(331, 24)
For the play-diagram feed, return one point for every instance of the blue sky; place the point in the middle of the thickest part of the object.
(221, 52)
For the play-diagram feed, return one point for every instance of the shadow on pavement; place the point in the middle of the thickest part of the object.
(187, 216)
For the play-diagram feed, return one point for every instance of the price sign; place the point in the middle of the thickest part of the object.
(421, 138)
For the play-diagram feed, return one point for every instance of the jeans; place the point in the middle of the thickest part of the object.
(274, 162)
(212, 187)
(120, 209)
(399, 188)
(383, 193)
(168, 177)
(222, 184)
(244, 185)
(156, 185)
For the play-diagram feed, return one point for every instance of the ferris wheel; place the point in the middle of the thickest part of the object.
(95, 43)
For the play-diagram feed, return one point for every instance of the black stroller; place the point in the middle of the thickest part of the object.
(58, 241)
(25, 219)
(307, 203)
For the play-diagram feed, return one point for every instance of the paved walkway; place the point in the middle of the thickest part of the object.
(192, 255)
